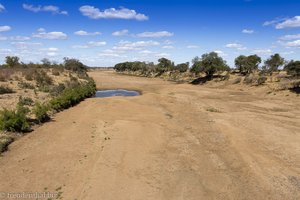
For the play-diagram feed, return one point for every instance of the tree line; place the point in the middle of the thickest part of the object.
(211, 63)
(68, 63)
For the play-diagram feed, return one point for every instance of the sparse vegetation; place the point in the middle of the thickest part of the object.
(25, 85)
(25, 101)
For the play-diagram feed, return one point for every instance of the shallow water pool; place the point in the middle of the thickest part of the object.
(118, 92)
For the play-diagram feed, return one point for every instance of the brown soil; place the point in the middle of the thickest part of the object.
(176, 141)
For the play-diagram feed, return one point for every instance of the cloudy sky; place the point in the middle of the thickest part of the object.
(105, 32)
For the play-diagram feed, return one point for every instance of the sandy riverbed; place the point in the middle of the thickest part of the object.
(176, 141)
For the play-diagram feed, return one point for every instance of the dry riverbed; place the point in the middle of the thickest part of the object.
(175, 141)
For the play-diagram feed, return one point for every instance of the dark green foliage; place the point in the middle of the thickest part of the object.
(74, 65)
(14, 120)
(71, 96)
(182, 67)
(130, 66)
(164, 65)
(247, 64)
(41, 112)
(5, 90)
(12, 61)
(273, 63)
(46, 62)
(293, 68)
(209, 64)
(196, 67)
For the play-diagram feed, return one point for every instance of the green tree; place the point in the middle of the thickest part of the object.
(164, 65)
(196, 65)
(247, 64)
(240, 63)
(293, 68)
(74, 65)
(46, 62)
(273, 63)
(183, 67)
(212, 63)
(12, 61)
(252, 63)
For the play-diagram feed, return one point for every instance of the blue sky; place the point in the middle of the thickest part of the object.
(103, 33)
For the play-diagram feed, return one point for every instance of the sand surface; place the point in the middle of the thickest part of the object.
(176, 141)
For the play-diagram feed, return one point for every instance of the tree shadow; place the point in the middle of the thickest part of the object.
(295, 90)
(202, 80)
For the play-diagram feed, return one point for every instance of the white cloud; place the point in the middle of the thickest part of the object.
(292, 44)
(169, 42)
(49, 8)
(235, 46)
(114, 55)
(120, 33)
(146, 52)
(5, 51)
(288, 53)
(25, 45)
(290, 37)
(247, 31)
(96, 44)
(155, 34)
(84, 33)
(19, 38)
(52, 49)
(160, 55)
(50, 35)
(89, 45)
(282, 23)
(126, 45)
(262, 51)
(111, 13)
(168, 47)
(192, 47)
(2, 8)
(289, 23)
(5, 28)
(51, 54)
(273, 22)
(220, 53)
(2, 38)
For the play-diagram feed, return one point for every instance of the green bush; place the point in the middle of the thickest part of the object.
(5, 90)
(41, 112)
(14, 120)
(71, 96)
